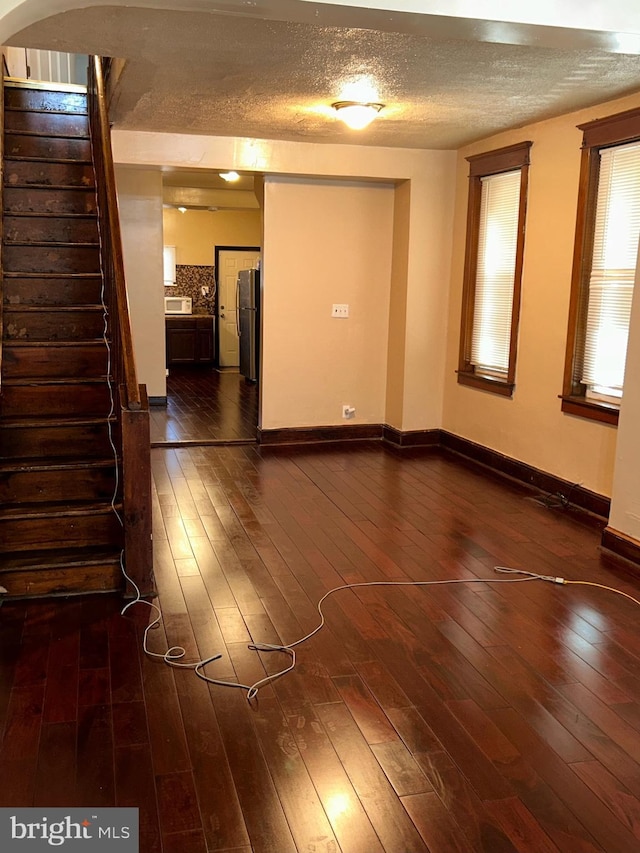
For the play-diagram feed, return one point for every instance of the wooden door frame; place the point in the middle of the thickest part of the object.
(216, 271)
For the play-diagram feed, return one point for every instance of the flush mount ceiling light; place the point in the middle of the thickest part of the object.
(229, 176)
(355, 114)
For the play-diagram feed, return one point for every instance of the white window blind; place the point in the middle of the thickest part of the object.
(169, 265)
(496, 265)
(615, 252)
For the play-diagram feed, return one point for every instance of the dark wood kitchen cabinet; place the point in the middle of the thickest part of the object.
(189, 339)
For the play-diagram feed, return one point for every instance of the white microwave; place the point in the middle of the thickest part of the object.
(177, 305)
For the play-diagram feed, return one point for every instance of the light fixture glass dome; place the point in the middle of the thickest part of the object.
(356, 115)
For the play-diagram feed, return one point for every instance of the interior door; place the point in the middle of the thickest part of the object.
(230, 261)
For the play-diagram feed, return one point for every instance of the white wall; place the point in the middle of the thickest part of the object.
(16, 61)
(140, 206)
(326, 242)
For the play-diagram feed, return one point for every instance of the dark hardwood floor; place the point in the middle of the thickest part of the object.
(204, 405)
(480, 717)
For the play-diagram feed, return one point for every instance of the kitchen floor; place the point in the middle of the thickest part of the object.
(205, 405)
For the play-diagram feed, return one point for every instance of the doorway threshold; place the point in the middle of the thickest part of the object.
(203, 442)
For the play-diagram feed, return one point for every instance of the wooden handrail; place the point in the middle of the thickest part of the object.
(2, 76)
(132, 411)
(111, 240)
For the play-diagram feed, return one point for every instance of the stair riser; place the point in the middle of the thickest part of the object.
(45, 400)
(39, 486)
(33, 534)
(47, 200)
(48, 582)
(35, 442)
(47, 124)
(19, 172)
(17, 145)
(63, 259)
(39, 99)
(42, 229)
(52, 291)
(53, 362)
(51, 325)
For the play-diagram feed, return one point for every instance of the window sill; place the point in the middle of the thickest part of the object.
(581, 407)
(486, 383)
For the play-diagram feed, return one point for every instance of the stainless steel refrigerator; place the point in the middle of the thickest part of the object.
(248, 320)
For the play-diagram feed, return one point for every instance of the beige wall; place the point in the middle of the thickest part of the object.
(325, 242)
(530, 427)
(196, 232)
(421, 237)
(140, 207)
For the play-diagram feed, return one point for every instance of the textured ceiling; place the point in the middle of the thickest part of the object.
(224, 75)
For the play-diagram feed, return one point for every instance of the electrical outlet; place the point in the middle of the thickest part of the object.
(348, 411)
(341, 311)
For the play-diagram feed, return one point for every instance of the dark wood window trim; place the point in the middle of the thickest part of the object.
(511, 158)
(602, 133)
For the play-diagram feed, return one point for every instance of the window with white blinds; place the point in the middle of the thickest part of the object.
(610, 288)
(494, 253)
(496, 267)
(604, 263)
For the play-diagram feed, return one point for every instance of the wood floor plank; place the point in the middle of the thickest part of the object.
(389, 819)
(591, 811)
(479, 716)
(135, 787)
(400, 768)
(454, 790)
(368, 715)
(266, 823)
(612, 792)
(435, 823)
(95, 783)
(521, 827)
(56, 771)
(557, 821)
(305, 815)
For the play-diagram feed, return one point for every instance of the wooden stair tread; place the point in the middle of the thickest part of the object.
(72, 380)
(10, 131)
(24, 158)
(83, 342)
(54, 421)
(40, 214)
(13, 108)
(46, 309)
(52, 275)
(40, 186)
(49, 244)
(62, 463)
(56, 509)
(63, 558)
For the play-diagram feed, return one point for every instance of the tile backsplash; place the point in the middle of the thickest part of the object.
(190, 278)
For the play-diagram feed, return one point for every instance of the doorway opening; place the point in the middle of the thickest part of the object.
(209, 401)
(205, 405)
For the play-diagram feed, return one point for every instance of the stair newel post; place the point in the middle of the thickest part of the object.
(136, 497)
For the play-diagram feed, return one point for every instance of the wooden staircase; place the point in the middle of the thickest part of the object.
(67, 513)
